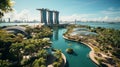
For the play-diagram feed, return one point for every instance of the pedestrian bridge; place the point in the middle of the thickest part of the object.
(16, 30)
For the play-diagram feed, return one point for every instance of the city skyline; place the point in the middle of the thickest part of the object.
(70, 10)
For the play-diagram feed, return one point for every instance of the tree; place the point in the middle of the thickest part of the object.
(39, 62)
(5, 6)
(42, 53)
(56, 64)
(29, 49)
(19, 37)
(69, 50)
(4, 63)
(16, 49)
(58, 54)
(6, 39)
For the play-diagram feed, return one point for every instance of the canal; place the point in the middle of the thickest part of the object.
(80, 58)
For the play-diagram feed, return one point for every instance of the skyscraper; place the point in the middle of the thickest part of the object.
(56, 17)
(43, 15)
(50, 17)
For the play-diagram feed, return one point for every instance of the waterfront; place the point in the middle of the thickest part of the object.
(101, 24)
(93, 24)
(10, 24)
(80, 58)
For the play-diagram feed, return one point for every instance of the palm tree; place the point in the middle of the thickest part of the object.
(58, 54)
(42, 53)
(30, 49)
(41, 62)
(56, 64)
(19, 37)
(46, 42)
(16, 50)
(4, 63)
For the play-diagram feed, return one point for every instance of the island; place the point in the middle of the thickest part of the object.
(69, 50)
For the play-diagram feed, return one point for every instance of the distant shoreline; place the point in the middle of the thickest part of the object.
(92, 24)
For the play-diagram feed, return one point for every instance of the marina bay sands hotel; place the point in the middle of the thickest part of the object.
(49, 17)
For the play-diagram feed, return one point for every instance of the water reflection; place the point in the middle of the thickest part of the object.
(56, 33)
(80, 51)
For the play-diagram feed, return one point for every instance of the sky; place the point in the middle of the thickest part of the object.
(83, 10)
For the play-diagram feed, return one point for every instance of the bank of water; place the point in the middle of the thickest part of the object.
(80, 58)
(11, 24)
(101, 24)
(93, 24)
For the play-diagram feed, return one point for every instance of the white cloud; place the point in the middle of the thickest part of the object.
(27, 15)
(107, 19)
(82, 17)
(24, 15)
(117, 19)
(85, 17)
(111, 11)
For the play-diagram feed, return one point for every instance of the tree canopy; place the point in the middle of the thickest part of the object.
(5, 6)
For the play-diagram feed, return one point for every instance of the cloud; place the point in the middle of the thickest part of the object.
(111, 11)
(89, 17)
(117, 19)
(82, 17)
(106, 19)
(109, 15)
(27, 15)
(24, 15)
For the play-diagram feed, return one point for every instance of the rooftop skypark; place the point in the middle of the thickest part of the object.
(49, 17)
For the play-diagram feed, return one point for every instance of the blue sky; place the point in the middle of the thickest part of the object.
(72, 9)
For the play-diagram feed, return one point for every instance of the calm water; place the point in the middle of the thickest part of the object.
(10, 24)
(80, 58)
(100, 24)
(93, 24)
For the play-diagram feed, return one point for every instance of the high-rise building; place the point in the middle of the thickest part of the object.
(56, 17)
(49, 17)
(43, 15)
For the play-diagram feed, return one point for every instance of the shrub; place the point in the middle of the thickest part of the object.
(69, 50)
